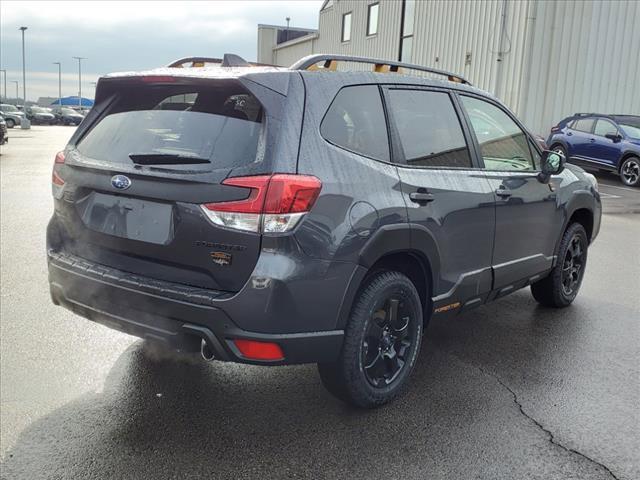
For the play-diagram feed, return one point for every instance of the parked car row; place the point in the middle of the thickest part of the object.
(609, 143)
(56, 115)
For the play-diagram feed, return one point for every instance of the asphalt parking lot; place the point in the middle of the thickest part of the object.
(510, 390)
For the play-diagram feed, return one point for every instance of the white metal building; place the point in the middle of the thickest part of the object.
(545, 59)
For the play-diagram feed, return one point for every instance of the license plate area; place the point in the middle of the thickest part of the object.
(125, 217)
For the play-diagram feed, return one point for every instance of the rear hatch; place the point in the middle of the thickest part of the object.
(130, 190)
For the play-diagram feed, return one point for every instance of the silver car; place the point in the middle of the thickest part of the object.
(11, 115)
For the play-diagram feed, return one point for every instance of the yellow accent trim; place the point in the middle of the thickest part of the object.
(384, 68)
(327, 66)
(446, 308)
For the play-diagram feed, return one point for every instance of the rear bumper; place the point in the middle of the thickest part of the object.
(177, 315)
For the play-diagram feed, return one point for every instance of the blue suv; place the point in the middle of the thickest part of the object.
(606, 142)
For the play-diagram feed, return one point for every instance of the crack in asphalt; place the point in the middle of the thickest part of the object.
(548, 432)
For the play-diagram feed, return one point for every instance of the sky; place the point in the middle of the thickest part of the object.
(123, 36)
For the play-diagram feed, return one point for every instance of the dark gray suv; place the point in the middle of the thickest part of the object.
(287, 215)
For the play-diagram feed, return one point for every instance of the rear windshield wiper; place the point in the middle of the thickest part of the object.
(165, 159)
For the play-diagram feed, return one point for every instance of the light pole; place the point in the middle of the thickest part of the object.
(80, 80)
(16, 82)
(24, 74)
(59, 83)
(5, 84)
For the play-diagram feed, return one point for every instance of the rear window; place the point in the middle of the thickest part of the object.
(220, 127)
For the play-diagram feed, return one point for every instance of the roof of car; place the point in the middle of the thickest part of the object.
(274, 77)
(320, 68)
(200, 72)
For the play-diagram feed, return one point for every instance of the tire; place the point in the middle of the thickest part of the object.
(376, 336)
(10, 122)
(558, 148)
(561, 286)
(630, 172)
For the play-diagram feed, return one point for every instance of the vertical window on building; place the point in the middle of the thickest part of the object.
(406, 40)
(372, 19)
(346, 27)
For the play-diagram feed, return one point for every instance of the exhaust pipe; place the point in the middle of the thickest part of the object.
(206, 351)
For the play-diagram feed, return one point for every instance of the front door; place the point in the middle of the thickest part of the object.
(604, 149)
(449, 201)
(581, 136)
(528, 217)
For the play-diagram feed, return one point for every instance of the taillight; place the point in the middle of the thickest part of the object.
(255, 350)
(55, 175)
(275, 204)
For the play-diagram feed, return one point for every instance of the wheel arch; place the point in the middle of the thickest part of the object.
(563, 143)
(407, 248)
(625, 156)
(583, 216)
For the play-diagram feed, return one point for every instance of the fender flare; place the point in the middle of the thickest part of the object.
(403, 237)
(389, 239)
(580, 199)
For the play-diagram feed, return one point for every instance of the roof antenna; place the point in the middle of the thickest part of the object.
(233, 60)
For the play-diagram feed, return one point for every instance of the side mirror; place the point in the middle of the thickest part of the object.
(614, 137)
(552, 163)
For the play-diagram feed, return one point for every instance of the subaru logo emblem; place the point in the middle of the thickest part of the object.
(120, 182)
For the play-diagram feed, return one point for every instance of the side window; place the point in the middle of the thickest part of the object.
(429, 129)
(583, 125)
(605, 127)
(503, 144)
(355, 121)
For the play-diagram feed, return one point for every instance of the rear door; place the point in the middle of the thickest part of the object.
(528, 216)
(446, 196)
(136, 181)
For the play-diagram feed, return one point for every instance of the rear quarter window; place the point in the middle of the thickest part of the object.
(355, 121)
(222, 125)
(583, 125)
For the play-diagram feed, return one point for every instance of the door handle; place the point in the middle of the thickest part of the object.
(421, 197)
(593, 140)
(504, 193)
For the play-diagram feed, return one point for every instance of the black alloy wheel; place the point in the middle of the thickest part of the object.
(381, 342)
(560, 288)
(573, 265)
(387, 342)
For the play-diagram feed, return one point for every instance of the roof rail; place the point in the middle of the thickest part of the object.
(310, 63)
(587, 114)
(229, 60)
